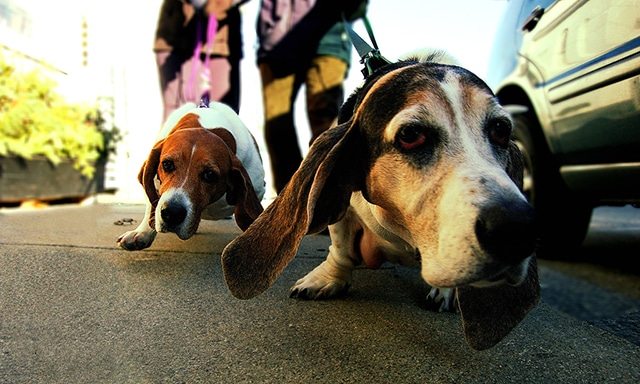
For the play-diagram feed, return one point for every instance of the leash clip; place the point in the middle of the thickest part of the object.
(204, 101)
(369, 56)
(372, 61)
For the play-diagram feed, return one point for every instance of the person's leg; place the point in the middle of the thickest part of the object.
(169, 73)
(278, 96)
(234, 20)
(232, 97)
(325, 92)
(219, 81)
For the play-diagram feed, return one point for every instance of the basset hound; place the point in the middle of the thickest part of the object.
(420, 170)
(205, 164)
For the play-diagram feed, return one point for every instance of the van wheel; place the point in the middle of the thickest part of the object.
(563, 217)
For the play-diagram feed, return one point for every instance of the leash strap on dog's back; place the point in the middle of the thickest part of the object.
(369, 56)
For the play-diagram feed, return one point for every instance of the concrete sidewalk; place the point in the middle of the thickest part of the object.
(76, 309)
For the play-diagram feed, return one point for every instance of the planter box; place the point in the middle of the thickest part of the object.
(38, 179)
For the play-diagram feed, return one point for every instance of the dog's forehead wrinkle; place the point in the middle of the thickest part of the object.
(429, 105)
(392, 92)
(470, 106)
(453, 93)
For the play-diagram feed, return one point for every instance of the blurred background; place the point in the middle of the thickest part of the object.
(102, 51)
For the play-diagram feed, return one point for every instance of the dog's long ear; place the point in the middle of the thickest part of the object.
(242, 195)
(147, 176)
(489, 314)
(317, 195)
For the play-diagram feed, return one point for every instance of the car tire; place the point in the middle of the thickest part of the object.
(563, 218)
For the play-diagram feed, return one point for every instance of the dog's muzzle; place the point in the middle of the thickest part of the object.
(174, 214)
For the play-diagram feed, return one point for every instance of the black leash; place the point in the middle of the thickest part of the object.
(369, 56)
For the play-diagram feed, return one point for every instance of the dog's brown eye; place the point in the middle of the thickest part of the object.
(500, 132)
(168, 166)
(209, 176)
(411, 137)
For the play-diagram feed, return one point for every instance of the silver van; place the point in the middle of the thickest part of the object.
(569, 71)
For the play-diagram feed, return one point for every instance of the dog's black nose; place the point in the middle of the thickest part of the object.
(173, 214)
(506, 229)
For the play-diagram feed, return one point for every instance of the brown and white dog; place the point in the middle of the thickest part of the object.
(420, 170)
(205, 164)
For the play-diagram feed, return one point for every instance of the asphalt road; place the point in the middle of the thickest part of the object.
(76, 309)
(600, 284)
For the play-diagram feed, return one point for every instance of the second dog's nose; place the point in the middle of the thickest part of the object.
(173, 214)
(506, 229)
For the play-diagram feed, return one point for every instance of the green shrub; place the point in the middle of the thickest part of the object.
(36, 121)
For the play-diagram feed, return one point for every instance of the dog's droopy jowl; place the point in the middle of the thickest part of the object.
(420, 170)
(204, 165)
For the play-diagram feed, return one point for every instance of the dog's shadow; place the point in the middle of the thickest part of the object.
(382, 307)
(171, 259)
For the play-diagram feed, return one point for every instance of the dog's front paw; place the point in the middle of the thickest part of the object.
(321, 283)
(136, 240)
(442, 300)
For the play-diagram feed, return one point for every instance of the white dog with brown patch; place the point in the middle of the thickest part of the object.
(204, 165)
(420, 170)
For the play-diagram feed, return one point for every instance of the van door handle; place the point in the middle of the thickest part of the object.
(531, 21)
